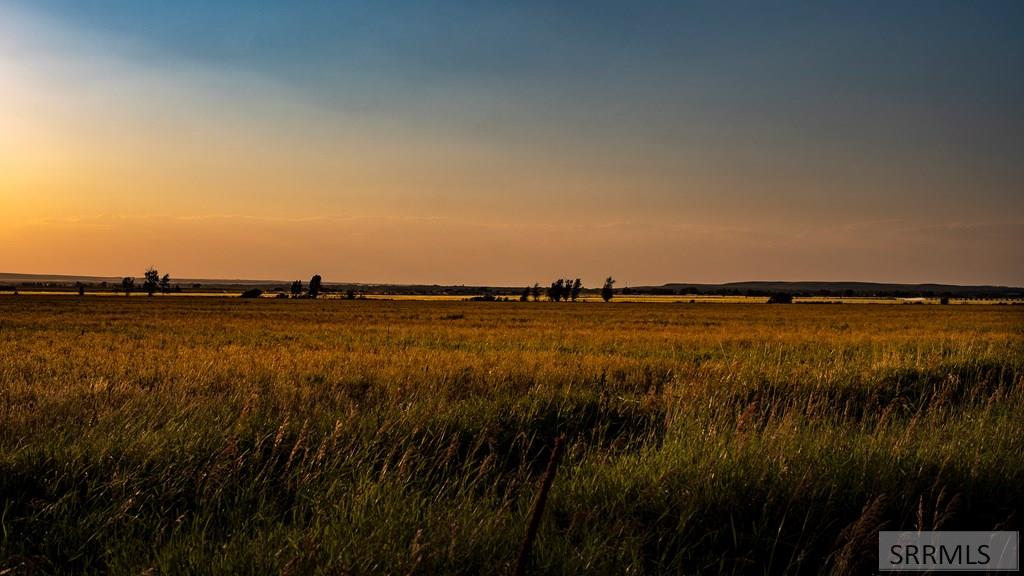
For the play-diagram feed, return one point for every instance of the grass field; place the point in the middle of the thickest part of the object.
(203, 435)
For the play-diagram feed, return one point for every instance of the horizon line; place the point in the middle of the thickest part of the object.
(15, 275)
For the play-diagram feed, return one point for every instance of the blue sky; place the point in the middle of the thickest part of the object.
(646, 126)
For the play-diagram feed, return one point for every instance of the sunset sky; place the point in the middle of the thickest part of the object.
(513, 142)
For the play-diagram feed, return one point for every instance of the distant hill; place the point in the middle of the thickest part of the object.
(752, 288)
(14, 278)
(836, 289)
(63, 282)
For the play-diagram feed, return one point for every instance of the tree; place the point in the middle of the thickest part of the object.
(535, 292)
(607, 291)
(780, 298)
(252, 293)
(556, 290)
(525, 296)
(314, 286)
(165, 283)
(127, 284)
(81, 288)
(297, 288)
(577, 287)
(152, 280)
(350, 294)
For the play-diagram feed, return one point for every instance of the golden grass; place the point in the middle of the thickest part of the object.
(297, 436)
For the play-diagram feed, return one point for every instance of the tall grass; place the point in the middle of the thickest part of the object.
(222, 436)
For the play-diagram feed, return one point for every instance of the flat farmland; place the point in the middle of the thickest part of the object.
(221, 435)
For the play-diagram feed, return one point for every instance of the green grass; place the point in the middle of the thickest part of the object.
(227, 436)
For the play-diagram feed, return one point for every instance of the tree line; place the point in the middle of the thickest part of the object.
(561, 290)
(311, 291)
(566, 290)
(152, 282)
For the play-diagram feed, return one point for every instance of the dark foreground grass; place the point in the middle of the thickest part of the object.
(186, 435)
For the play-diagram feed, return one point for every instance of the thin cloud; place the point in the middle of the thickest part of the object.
(962, 226)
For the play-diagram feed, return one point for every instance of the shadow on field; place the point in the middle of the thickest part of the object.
(514, 440)
(897, 393)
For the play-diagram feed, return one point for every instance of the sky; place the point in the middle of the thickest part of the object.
(507, 143)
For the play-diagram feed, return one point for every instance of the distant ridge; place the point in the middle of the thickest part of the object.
(12, 277)
(843, 288)
(753, 288)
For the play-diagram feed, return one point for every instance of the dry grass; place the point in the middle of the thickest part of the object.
(219, 435)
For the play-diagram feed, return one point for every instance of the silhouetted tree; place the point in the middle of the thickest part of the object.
(944, 300)
(535, 292)
(608, 291)
(252, 293)
(780, 298)
(525, 296)
(577, 287)
(81, 288)
(127, 284)
(165, 283)
(314, 286)
(350, 294)
(556, 290)
(152, 280)
(297, 288)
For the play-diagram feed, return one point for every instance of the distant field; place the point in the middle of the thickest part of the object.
(177, 435)
(678, 299)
